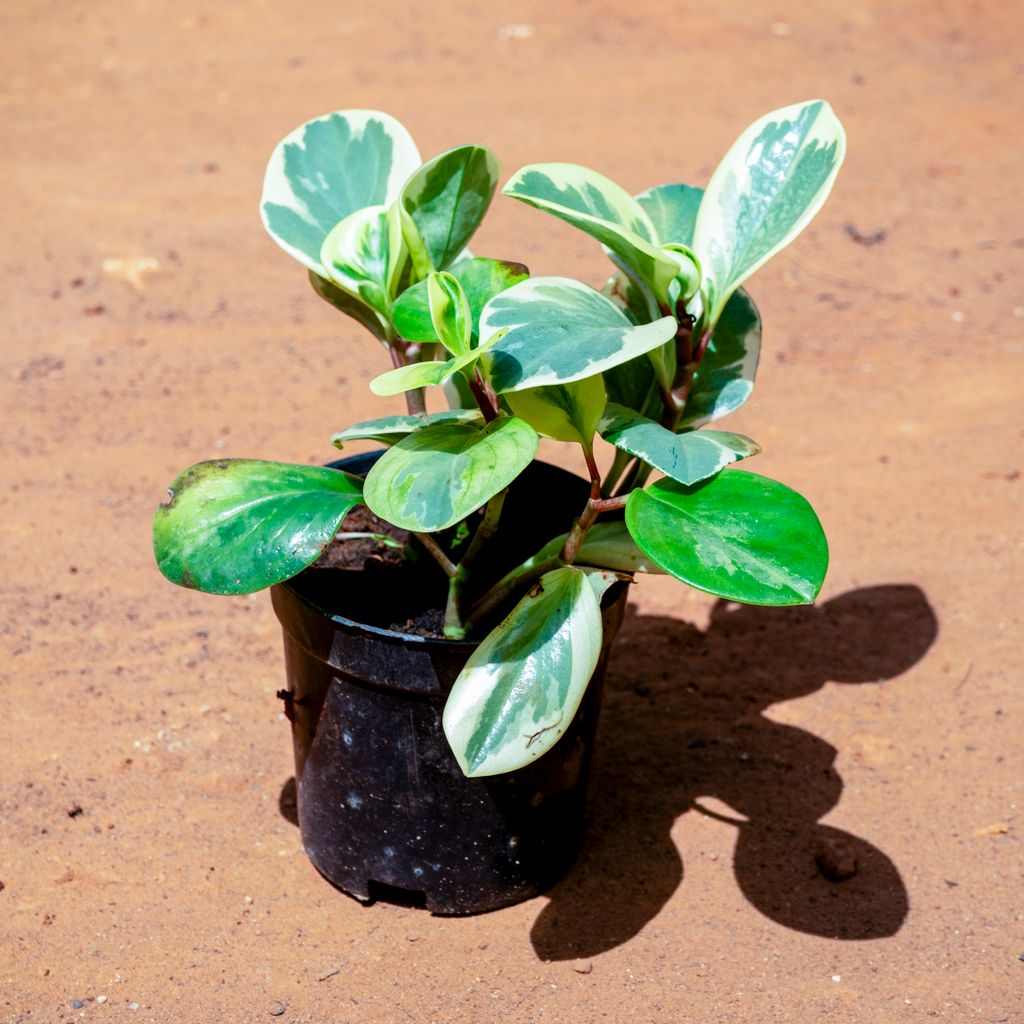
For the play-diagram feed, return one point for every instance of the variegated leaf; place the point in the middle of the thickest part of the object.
(739, 536)
(565, 412)
(446, 200)
(672, 210)
(559, 331)
(607, 545)
(431, 479)
(326, 170)
(771, 183)
(687, 458)
(481, 280)
(350, 305)
(449, 312)
(725, 376)
(364, 255)
(521, 687)
(391, 429)
(604, 210)
(235, 526)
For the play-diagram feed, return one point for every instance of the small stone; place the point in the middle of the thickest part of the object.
(101, 999)
(582, 966)
(77, 1004)
(133, 1006)
(412, 937)
(278, 1010)
(837, 860)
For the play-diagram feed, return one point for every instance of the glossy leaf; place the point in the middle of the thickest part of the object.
(235, 526)
(559, 331)
(672, 210)
(391, 429)
(771, 183)
(604, 210)
(481, 280)
(739, 536)
(349, 305)
(326, 170)
(364, 255)
(687, 458)
(450, 313)
(725, 376)
(521, 687)
(446, 200)
(439, 475)
(565, 412)
(607, 545)
(412, 376)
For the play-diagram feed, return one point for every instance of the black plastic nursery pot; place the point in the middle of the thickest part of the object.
(384, 809)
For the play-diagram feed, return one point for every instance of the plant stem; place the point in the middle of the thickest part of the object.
(402, 352)
(619, 463)
(447, 565)
(478, 388)
(518, 578)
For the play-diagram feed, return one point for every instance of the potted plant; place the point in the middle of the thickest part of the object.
(525, 564)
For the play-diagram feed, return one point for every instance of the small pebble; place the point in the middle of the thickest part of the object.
(582, 966)
(101, 999)
(412, 937)
(133, 1006)
(278, 1010)
(77, 1004)
(837, 860)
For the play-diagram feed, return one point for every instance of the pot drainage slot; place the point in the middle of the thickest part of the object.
(415, 898)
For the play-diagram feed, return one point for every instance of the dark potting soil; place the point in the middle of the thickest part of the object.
(358, 553)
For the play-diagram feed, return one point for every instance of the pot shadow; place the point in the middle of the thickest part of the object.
(693, 727)
(288, 802)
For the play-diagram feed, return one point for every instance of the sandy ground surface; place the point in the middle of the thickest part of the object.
(149, 324)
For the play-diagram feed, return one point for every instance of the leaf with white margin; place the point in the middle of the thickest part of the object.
(349, 305)
(739, 536)
(364, 255)
(446, 200)
(725, 376)
(235, 526)
(391, 429)
(604, 210)
(564, 412)
(329, 168)
(672, 210)
(431, 479)
(771, 183)
(450, 313)
(481, 280)
(607, 545)
(559, 331)
(687, 458)
(428, 372)
(522, 686)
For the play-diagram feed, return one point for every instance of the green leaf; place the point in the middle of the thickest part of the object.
(389, 429)
(771, 183)
(604, 210)
(446, 200)
(235, 526)
(725, 376)
(565, 412)
(450, 313)
(521, 687)
(326, 170)
(687, 458)
(688, 276)
(607, 545)
(439, 475)
(739, 536)
(559, 331)
(672, 210)
(364, 255)
(349, 305)
(411, 377)
(481, 280)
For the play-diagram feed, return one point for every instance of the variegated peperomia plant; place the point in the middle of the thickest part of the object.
(669, 345)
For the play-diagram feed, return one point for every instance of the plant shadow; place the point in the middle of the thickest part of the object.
(692, 727)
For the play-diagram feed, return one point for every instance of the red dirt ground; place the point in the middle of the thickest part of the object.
(733, 740)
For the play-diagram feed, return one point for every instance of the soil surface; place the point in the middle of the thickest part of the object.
(150, 868)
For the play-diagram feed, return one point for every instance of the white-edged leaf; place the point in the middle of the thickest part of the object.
(329, 168)
(597, 205)
(771, 183)
(449, 312)
(445, 200)
(564, 412)
(521, 687)
(365, 253)
(559, 331)
(433, 478)
(687, 458)
(391, 429)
